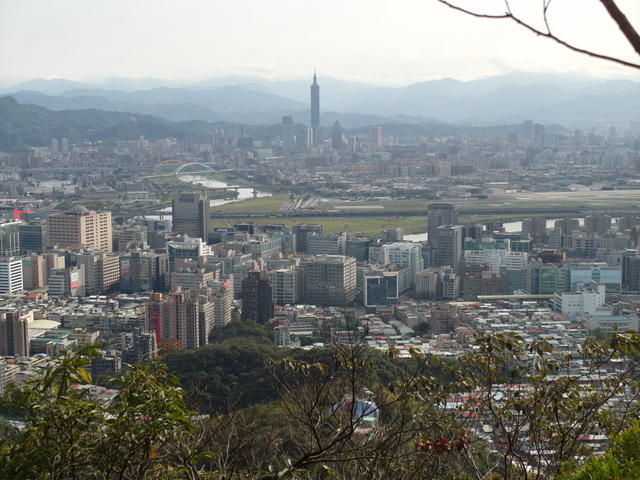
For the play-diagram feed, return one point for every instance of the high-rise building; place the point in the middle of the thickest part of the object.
(10, 237)
(10, 275)
(315, 102)
(313, 140)
(101, 271)
(14, 332)
(144, 271)
(287, 284)
(376, 137)
(185, 247)
(80, 228)
(32, 237)
(598, 223)
(536, 228)
(191, 215)
(330, 280)
(302, 233)
(449, 247)
(439, 214)
(334, 244)
(257, 297)
(67, 282)
(336, 137)
(288, 133)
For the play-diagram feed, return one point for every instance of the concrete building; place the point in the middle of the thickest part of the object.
(101, 271)
(10, 237)
(257, 298)
(287, 284)
(142, 271)
(80, 228)
(405, 254)
(449, 247)
(288, 134)
(11, 280)
(14, 332)
(186, 247)
(590, 300)
(303, 232)
(191, 215)
(334, 244)
(67, 282)
(439, 214)
(330, 280)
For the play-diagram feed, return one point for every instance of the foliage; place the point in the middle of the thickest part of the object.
(622, 460)
(242, 331)
(336, 413)
(70, 434)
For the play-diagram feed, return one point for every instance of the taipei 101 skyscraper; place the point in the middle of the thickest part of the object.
(315, 111)
(315, 102)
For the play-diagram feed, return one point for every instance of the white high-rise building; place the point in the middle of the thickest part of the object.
(10, 275)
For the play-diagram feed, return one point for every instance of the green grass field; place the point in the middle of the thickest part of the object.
(370, 226)
(262, 204)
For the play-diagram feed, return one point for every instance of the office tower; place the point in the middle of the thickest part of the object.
(449, 247)
(404, 254)
(80, 228)
(287, 284)
(302, 233)
(37, 268)
(330, 280)
(101, 271)
(64, 146)
(358, 248)
(439, 214)
(191, 215)
(67, 282)
(186, 247)
(32, 237)
(10, 237)
(10, 275)
(376, 137)
(144, 271)
(334, 244)
(336, 137)
(527, 129)
(257, 297)
(315, 102)
(288, 133)
(14, 333)
(55, 147)
(392, 235)
(131, 236)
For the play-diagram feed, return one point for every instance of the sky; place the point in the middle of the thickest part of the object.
(380, 42)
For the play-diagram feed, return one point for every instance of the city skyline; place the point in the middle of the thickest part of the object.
(376, 44)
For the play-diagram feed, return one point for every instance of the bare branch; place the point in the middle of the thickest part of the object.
(628, 30)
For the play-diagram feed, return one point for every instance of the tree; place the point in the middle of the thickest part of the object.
(145, 433)
(628, 30)
(621, 460)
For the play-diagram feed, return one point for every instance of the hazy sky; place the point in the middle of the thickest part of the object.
(383, 42)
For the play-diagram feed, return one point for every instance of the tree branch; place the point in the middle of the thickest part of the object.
(626, 27)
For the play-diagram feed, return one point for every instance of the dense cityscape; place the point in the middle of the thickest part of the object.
(253, 278)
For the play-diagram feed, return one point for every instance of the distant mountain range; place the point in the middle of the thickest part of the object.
(571, 101)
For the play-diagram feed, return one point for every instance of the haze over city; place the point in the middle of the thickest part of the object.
(374, 41)
(277, 240)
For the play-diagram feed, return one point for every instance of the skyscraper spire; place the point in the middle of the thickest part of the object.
(315, 101)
